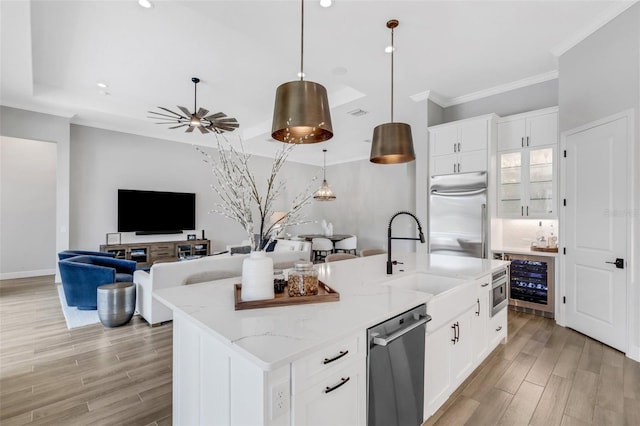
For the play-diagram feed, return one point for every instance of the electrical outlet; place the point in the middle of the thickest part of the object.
(279, 399)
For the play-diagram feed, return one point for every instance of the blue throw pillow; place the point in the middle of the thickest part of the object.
(271, 245)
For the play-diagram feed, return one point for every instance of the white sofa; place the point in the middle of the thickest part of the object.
(209, 268)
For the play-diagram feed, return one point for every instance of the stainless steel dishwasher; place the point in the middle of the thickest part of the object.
(395, 369)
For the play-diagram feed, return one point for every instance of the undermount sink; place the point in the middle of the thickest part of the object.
(451, 296)
(426, 283)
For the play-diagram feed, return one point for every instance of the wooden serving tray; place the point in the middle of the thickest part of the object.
(325, 294)
(547, 249)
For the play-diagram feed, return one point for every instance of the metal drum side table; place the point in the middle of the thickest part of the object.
(116, 303)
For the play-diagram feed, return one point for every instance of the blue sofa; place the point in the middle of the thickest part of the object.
(73, 253)
(82, 275)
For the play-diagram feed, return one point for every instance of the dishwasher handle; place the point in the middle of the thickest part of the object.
(384, 341)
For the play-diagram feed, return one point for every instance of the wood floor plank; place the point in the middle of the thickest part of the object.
(591, 359)
(515, 374)
(522, 405)
(631, 379)
(572, 421)
(459, 412)
(610, 394)
(552, 403)
(602, 416)
(582, 398)
(568, 362)
(492, 408)
(631, 413)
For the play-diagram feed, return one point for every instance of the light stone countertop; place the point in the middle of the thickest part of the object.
(272, 337)
(524, 250)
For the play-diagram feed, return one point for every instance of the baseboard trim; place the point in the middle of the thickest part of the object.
(634, 352)
(26, 274)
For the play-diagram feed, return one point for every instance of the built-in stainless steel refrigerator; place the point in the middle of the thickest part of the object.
(458, 214)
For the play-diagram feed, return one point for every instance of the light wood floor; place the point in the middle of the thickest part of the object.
(545, 375)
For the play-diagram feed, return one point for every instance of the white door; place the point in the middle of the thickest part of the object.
(596, 230)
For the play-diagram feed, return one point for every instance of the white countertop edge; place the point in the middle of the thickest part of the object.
(524, 250)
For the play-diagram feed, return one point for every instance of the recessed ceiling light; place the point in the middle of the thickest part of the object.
(145, 3)
(388, 49)
(326, 3)
(102, 85)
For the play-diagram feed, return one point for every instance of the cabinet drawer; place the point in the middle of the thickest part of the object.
(323, 363)
(339, 399)
(497, 328)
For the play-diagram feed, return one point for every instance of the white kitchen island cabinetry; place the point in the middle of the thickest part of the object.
(302, 364)
(480, 320)
(460, 146)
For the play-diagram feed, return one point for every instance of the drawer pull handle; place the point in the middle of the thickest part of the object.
(484, 285)
(499, 328)
(335, 358)
(343, 380)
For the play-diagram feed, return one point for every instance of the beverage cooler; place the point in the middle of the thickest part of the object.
(531, 286)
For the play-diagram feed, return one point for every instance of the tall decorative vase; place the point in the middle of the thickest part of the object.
(257, 277)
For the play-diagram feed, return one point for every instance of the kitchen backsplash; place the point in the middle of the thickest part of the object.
(520, 232)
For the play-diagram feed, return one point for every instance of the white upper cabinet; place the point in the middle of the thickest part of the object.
(527, 164)
(460, 146)
(537, 128)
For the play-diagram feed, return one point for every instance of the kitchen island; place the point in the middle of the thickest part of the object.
(274, 365)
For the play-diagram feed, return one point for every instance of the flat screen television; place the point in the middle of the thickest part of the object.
(155, 212)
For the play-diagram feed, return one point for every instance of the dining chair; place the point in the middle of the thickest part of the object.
(321, 247)
(371, 252)
(347, 245)
(339, 256)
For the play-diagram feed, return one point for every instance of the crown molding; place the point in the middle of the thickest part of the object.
(616, 9)
(445, 102)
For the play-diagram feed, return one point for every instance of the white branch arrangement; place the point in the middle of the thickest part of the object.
(239, 191)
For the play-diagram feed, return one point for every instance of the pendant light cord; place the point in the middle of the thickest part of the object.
(301, 40)
(324, 165)
(195, 96)
(392, 52)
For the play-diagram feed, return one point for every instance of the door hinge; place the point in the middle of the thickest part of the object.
(564, 250)
(564, 202)
(565, 153)
(564, 299)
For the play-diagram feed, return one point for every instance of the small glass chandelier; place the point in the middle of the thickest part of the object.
(392, 143)
(324, 193)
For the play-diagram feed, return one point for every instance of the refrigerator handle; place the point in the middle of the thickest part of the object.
(483, 230)
(457, 194)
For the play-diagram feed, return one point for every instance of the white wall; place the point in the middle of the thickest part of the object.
(27, 207)
(600, 77)
(50, 128)
(104, 161)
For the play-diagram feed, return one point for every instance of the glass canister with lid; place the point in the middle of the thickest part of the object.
(303, 280)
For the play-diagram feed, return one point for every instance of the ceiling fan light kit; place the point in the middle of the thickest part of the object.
(392, 142)
(216, 123)
(301, 112)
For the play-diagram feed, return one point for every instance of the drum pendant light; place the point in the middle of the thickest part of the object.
(392, 143)
(301, 113)
(324, 193)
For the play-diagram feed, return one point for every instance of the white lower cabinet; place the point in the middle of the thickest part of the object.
(498, 329)
(340, 399)
(448, 360)
(480, 321)
(329, 386)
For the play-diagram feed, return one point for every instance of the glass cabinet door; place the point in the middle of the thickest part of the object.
(510, 191)
(541, 186)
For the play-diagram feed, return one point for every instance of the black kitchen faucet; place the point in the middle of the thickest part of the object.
(420, 238)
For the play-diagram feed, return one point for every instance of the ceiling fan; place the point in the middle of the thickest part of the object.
(218, 122)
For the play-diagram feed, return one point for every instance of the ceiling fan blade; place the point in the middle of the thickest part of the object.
(224, 129)
(215, 116)
(172, 112)
(176, 127)
(202, 112)
(184, 110)
(170, 117)
(226, 120)
(190, 129)
(203, 130)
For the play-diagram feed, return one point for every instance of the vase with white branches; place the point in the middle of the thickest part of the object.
(242, 197)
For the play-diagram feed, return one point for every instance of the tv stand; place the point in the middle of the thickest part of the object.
(146, 254)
